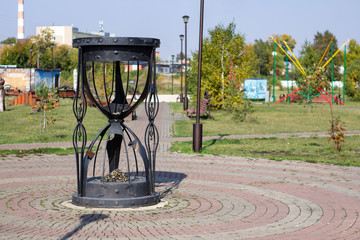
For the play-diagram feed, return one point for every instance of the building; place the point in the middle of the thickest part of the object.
(26, 79)
(167, 67)
(65, 34)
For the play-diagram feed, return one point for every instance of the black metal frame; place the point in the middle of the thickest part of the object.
(94, 191)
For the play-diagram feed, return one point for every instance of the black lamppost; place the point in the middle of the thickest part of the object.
(186, 20)
(31, 50)
(52, 62)
(181, 67)
(172, 74)
(197, 127)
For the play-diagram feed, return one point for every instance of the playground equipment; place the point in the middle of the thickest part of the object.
(319, 90)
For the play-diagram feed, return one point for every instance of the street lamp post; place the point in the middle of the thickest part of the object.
(172, 74)
(52, 62)
(181, 67)
(186, 20)
(197, 127)
(222, 72)
(2, 95)
(31, 50)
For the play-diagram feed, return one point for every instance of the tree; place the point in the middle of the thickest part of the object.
(283, 38)
(65, 57)
(314, 78)
(10, 40)
(43, 40)
(353, 51)
(226, 59)
(45, 107)
(352, 83)
(321, 41)
(18, 54)
(280, 55)
(263, 54)
(352, 77)
(309, 57)
(279, 61)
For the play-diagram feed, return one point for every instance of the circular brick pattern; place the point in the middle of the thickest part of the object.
(207, 197)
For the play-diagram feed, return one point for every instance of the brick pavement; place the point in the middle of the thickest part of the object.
(208, 197)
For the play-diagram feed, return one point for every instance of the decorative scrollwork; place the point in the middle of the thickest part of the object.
(151, 133)
(79, 135)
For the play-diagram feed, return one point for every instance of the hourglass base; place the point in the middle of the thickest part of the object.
(100, 194)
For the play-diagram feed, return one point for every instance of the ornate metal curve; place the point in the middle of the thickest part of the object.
(116, 75)
(151, 137)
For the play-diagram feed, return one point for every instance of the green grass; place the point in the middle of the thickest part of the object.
(312, 149)
(165, 83)
(15, 126)
(177, 107)
(270, 118)
(37, 151)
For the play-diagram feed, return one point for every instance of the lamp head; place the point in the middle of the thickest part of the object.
(186, 18)
(181, 37)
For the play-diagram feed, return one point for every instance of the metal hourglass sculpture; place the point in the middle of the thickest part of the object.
(116, 75)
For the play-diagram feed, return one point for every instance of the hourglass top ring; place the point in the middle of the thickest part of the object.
(104, 84)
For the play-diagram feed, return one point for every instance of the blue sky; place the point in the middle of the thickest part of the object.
(162, 19)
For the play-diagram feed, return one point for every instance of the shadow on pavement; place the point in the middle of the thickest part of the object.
(169, 180)
(213, 141)
(85, 219)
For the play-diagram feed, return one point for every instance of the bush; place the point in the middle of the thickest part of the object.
(337, 133)
(44, 107)
(241, 111)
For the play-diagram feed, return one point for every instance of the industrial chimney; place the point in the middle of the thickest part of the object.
(20, 34)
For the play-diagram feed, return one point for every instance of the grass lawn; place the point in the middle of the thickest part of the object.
(15, 126)
(270, 118)
(311, 149)
(36, 151)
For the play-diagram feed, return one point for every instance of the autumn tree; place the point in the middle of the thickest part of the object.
(227, 61)
(280, 57)
(353, 51)
(281, 38)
